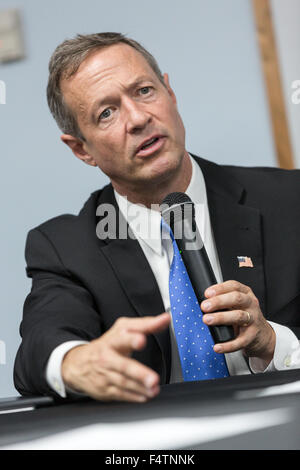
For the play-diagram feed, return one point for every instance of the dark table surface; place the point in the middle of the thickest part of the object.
(223, 397)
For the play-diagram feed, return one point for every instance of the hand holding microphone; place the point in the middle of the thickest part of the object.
(232, 311)
(178, 213)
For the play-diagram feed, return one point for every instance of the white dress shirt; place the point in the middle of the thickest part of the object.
(146, 226)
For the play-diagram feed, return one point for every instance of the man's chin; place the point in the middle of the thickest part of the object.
(161, 166)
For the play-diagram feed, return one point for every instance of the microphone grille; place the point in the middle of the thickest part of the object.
(176, 198)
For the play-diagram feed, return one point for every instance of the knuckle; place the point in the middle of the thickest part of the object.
(121, 321)
(95, 357)
(255, 301)
(125, 367)
(112, 392)
(241, 316)
(235, 284)
(102, 383)
(100, 356)
(243, 343)
(122, 382)
(237, 297)
(103, 360)
(121, 325)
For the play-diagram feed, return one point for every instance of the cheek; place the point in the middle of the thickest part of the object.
(107, 148)
(109, 154)
(173, 119)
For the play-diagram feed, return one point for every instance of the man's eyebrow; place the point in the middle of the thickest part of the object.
(110, 98)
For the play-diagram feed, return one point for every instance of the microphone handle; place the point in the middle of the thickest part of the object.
(200, 273)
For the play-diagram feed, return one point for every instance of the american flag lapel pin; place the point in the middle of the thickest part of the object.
(245, 262)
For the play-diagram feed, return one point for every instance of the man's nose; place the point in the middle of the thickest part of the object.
(137, 116)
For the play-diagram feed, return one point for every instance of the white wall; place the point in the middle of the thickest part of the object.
(209, 49)
(286, 20)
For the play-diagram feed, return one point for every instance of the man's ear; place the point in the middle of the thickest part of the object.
(170, 91)
(77, 147)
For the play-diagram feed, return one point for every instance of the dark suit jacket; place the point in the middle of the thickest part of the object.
(81, 285)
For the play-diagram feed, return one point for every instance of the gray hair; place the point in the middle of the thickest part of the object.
(66, 60)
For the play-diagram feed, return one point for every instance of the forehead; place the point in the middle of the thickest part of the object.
(116, 64)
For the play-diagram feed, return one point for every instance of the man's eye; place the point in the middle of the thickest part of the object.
(105, 114)
(145, 90)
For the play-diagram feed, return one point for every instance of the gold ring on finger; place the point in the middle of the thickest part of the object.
(247, 322)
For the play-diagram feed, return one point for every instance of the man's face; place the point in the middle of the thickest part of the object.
(129, 119)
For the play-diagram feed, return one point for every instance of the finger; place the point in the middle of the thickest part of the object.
(125, 342)
(132, 369)
(117, 394)
(240, 342)
(148, 325)
(226, 286)
(235, 299)
(123, 382)
(113, 393)
(239, 318)
(128, 334)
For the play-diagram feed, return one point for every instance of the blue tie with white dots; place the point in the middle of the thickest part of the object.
(195, 344)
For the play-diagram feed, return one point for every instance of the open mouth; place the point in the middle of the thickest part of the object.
(150, 146)
(149, 143)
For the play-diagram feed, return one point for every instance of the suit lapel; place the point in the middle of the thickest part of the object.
(134, 273)
(236, 229)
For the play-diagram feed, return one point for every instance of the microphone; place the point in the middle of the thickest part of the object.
(178, 212)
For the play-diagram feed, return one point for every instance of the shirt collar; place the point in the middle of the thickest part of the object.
(196, 189)
(146, 223)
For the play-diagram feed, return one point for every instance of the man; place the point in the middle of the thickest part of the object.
(94, 322)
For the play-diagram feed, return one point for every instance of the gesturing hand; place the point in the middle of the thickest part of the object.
(253, 334)
(103, 368)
